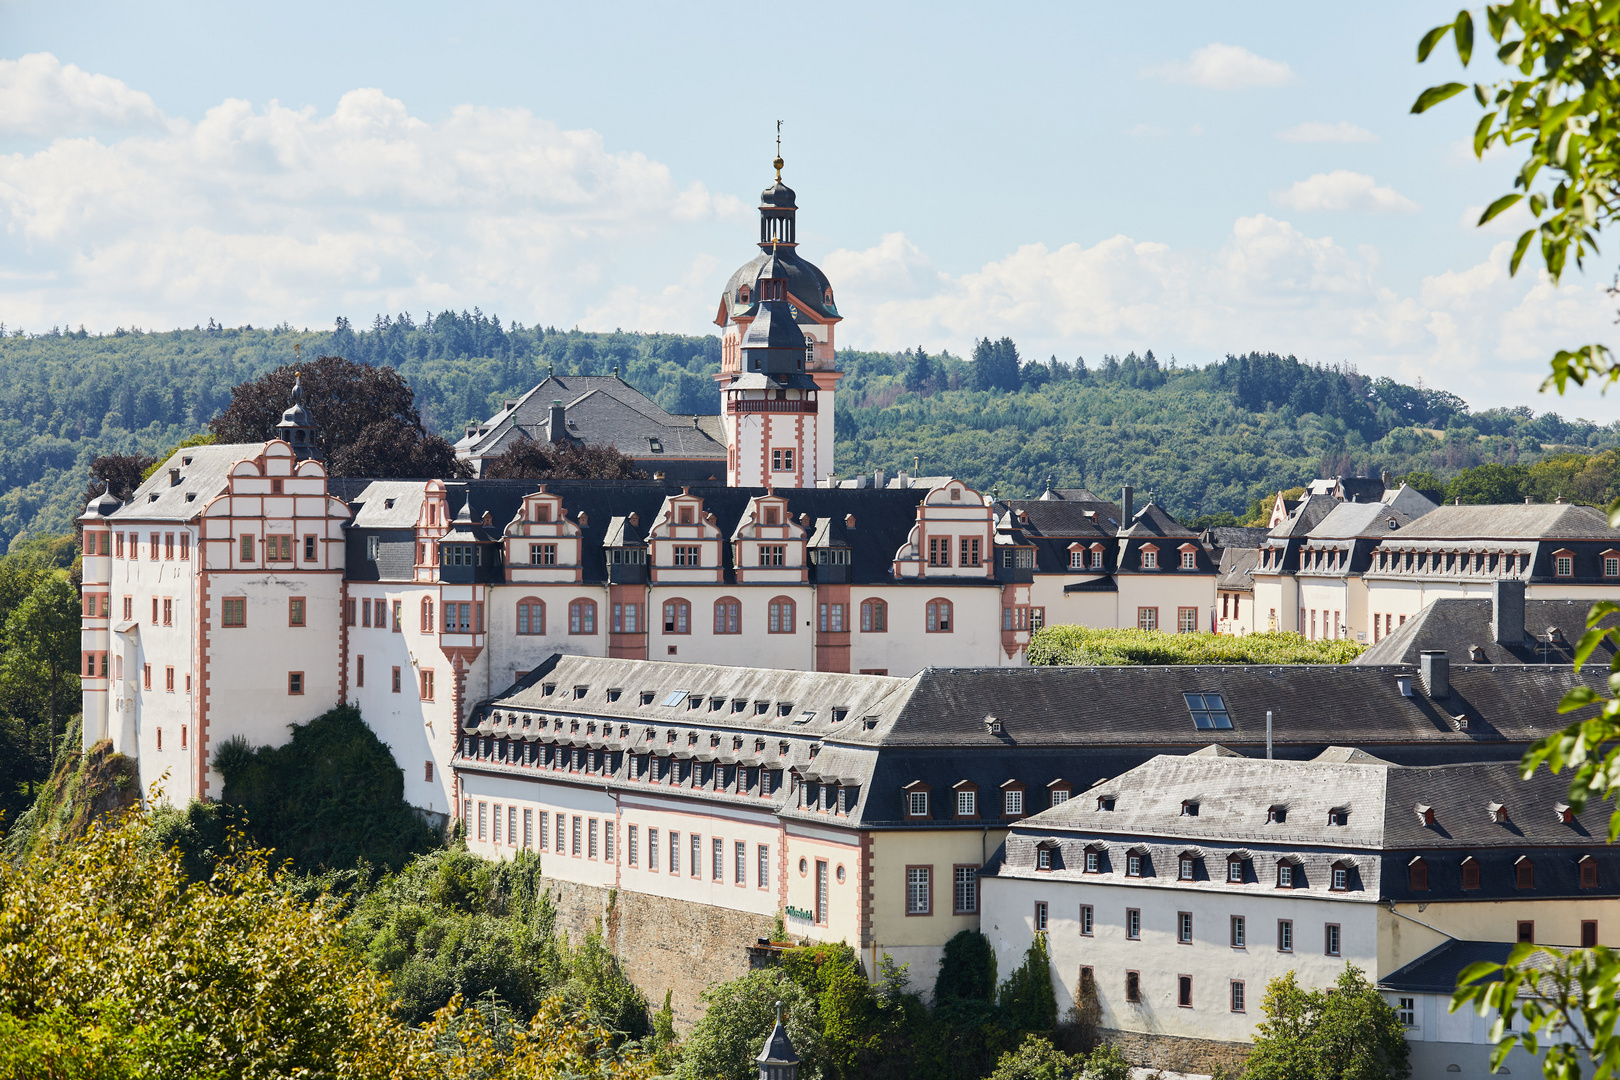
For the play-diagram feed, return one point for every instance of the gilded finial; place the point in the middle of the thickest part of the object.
(298, 351)
(778, 162)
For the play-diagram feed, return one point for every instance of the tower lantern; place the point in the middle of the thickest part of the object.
(296, 428)
(778, 1061)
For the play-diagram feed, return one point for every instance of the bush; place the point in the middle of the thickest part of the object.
(1037, 1059)
(1090, 646)
(1027, 1000)
(1344, 1032)
(740, 1015)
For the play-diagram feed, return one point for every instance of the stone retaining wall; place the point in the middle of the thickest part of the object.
(1177, 1053)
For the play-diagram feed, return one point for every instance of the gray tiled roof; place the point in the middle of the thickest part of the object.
(1153, 520)
(1436, 971)
(1351, 520)
(1305, 516)
(1512, 521)
(388, 504)
(203, 474)
(601, 410)
(1237, 536)
(1454, 625)
(1237, 569)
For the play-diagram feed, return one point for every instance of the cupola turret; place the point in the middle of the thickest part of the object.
(296, 428)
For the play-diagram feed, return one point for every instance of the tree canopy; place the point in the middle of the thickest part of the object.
(530, 459)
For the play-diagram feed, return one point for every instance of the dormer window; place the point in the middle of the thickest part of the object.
(742, 295)
(1285, 875)
(1150, 559)
(1234, 869)
(1564, 564)
(1189, 808)
(1338, 816)
(1498, 812)
(1589, 872)
(1185, 867)
(1524, 873)
(1339, 878)
(1133, 865)
(1611, 564)
(1565, 814)
(1470, 873)
(1189, 561)
(1276, 814)
(1043, 857)
(1093, 861)
(1105, 802)
(1425, 813)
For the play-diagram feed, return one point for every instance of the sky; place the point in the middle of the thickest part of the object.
(1085, 179)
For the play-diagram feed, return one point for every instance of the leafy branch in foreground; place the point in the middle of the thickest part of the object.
(1560, 104)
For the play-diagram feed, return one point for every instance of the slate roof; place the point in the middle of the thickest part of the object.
(1436, 971)
(1359, 520)
(601, 410)
(1069, 520)
(1455, 625)
(386, 504)
(884, 517)
(805, 283)
(1236, 536)
(1305, 516)
(1361, 488)
(1512, 521)
(204, 473)
(1153, 520)
(1237, 569)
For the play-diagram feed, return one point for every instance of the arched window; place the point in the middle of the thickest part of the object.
(582, 617)
(427, 614)
(874, 617)
(728, 615)
(531, 616)
(1417, 875)
(1524, 872)
(782, 618)
(677, 617)
(939, 616)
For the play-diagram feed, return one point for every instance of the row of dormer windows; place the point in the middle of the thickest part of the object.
(966, 804)
(672, 770)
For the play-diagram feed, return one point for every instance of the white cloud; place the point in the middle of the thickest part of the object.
(263, 214)
(1315, 131)
(39, 95)
(1224, 67)
(1270, 286)
(1344, 190)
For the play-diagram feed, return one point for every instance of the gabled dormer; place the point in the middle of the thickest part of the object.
(954, 536)
(542, 544)
(624, 550)
(768, 545)
(832, 549)
(274, 513)
(684, 543)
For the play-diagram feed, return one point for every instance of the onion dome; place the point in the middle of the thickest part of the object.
(296, 428)
(102, 505)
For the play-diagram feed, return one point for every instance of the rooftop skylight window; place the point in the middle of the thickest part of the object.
(675, 698)
(1209, 712)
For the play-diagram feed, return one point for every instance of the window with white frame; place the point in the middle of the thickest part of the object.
(967, 803)
(1014, 802)
(917, 803)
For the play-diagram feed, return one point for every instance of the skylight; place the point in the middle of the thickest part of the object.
(1209, 712)
(677, 696)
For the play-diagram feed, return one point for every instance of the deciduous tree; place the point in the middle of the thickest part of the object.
(530, 459)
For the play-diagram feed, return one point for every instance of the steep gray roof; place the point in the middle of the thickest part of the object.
(204, 472)
(388, 504)
(1454, 625)
(1237, 569)
(1153, 520)
(1305, 516)
(1349, 520)
(1237, 536)
(602, 410)
(1512, 521)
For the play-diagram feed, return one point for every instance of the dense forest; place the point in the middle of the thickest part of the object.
(1204, 439)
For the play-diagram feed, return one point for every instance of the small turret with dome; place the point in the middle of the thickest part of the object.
(777, 316)
(296, 428)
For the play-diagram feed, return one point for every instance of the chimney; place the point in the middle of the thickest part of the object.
(1435, 670)
(1384, 477)
(174, 477)
(1507, 611)
(557, 426)
(1127, 506)
(877, 478)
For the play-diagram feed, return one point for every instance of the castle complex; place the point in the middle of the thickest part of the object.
(745, 687)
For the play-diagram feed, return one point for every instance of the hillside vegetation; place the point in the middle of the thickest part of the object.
(1088, 646)
(1203, 440)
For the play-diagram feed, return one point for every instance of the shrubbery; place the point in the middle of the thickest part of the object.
(1086, 646)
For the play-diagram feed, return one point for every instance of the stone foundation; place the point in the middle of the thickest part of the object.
(1177, 1053)
(664, 944)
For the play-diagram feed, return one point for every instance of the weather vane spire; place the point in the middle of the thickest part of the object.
(778, 161)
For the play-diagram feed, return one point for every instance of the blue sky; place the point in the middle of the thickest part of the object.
(1190, 178)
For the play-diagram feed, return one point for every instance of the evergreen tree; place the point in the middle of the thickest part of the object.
(919, 377)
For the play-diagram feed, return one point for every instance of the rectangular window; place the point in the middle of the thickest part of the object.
(874, 617)
(1014, 803)
(309, 547)
(1133, 924)
(396, 680)
(278, 547)
(1406, 1011)
(1133, 987)
(168, 679)
(152, 546)
(295, 682)
(739, 869)
(590, 839)
(1238, 1003)
(967, 803)
(939, 551)
(528, 828)
(782, 460)
(1239, 932)
(1589, 937)
(1147, 618)
(632, 850)
(247, 547)
(562, 833)
(674, 852)
(295, 611)
(1527, 932)
(688, 555)
(1184, 927)
(578, 847)
(543, 554)
(970, 551)
(772, 555)
(496, 835)
(427, 684)
(1285, 935)
(964, 890)
(832, 618)
(717, 866)
(626, 618)
(822, 885)
(652, 849)
(1184, 991)
(1564, 565)
(1330, 939)
(1086, 923)
(919, 890)
(483, 819)
(168, 545)
(1040, 916)
(607, 841)
(168, 611)
(118, 545)
(1187, 620)
(695, 865)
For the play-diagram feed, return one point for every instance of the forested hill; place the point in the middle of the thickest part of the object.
(1205, 439)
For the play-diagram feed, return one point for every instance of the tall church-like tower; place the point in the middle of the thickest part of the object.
(776, 357)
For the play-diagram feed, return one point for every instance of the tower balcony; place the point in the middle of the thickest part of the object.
(770, 405)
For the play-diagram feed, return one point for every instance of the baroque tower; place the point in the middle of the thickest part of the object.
(776, 357)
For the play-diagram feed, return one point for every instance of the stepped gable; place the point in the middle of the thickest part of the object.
(1457, 625)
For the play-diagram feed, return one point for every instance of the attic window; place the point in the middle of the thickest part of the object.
(1499, 812)
(784, 709)
(613, 694)
(1189, 808)
(1105, 802)
(674, 698)
(388, 504)
(716, 704)
(956, 494)
(1276, 814)
(655, 445)
(1565, 814)
(693, 702)
(839, 715)
(647, 697)
(1209, 712)
(547, 689)
(190, 495)
(739, 705)
(1425, 813)
(761, 708)
(869, 722)
(804, 718)
(1338, 816)
(185, 461)
(579, 692)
